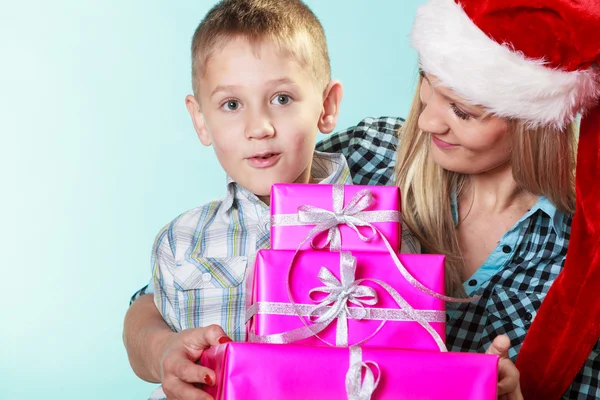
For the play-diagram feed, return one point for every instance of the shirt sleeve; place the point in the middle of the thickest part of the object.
(369, 147)
(148, 289)
(586, 385)
(163, 265)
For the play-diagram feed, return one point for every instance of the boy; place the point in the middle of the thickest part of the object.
(262, 91)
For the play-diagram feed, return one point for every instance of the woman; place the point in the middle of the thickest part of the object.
(485, 162)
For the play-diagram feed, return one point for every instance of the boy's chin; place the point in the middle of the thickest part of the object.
(260, 191)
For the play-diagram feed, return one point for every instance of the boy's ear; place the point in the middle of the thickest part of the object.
(332, 97)
(197, 119)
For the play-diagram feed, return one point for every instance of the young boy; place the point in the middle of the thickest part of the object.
(262, 91)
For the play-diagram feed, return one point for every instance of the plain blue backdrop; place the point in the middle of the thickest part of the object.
(98, 153)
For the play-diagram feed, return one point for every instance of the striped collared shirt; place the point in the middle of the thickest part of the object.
(201, 259)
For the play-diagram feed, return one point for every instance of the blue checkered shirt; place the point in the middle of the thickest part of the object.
(512, 282)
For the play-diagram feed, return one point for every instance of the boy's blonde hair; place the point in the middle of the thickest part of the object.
(543, 163)
(288, 23)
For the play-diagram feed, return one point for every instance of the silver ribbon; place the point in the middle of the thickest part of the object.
(353, 215)
(330, 221)
(356, 387)
(336, 306)
(372, 313)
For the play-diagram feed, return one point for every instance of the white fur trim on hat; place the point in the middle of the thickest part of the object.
(494, 75)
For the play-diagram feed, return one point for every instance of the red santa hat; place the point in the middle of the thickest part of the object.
(526, 59)
(536, 61)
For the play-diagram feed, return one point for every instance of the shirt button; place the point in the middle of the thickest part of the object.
(206, 277)
(447, 317)
(528, 317)
(506, 249)
(472, 282)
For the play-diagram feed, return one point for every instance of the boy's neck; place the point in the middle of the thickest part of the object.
(305, 177)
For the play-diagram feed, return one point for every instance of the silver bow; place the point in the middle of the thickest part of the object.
(339, 294)
(325, 220)
(356, 387)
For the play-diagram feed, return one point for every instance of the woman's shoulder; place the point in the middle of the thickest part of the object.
(369, 147)
(377, 132)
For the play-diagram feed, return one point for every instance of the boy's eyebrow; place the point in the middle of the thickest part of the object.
(272, 82)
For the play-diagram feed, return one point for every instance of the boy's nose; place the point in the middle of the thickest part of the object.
(259, 126)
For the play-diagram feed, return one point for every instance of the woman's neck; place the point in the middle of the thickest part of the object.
(496, 191)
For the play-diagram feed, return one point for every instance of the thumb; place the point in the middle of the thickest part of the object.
(215, 335)
(499, 346)
(199, 339)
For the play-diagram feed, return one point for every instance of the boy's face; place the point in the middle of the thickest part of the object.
(261, 111)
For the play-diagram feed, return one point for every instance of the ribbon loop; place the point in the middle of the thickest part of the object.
(356, 387)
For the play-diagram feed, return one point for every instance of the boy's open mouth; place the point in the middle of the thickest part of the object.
(264, 160)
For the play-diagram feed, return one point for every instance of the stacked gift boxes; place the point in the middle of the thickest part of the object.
(337, 313)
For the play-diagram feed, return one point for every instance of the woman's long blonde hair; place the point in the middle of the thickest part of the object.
(543, 163)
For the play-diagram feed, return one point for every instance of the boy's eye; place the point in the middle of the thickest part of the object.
(281, 99)
(231, 105)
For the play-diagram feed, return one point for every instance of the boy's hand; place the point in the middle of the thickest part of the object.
(509, 387)
(178, 369)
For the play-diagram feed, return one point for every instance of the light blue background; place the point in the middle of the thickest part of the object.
(98, 153)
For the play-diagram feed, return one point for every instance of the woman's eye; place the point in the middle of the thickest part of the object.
(281, 99)
(459, 113)
(231, 105)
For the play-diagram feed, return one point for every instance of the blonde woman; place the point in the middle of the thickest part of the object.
(486, 164)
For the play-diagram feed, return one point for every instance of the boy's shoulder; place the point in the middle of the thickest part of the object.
(196, 221)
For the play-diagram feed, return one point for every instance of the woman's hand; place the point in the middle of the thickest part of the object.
(509, 387)
(179, 371)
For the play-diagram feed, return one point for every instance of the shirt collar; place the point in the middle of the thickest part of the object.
(556, 216)
(326, 169)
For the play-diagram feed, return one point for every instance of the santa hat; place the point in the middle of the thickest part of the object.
(536, 61)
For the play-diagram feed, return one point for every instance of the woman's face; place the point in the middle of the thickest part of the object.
(463, 139)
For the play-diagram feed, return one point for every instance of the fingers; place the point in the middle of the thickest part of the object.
(509, 387)
(190, 372)
(180, 372)
(516, 395)
(178, 390)
(499, 346)
(215, 335)
(508, 376)
(200, 339)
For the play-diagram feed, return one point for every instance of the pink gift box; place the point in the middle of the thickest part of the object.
(287, 232)
(253, 371)
(270, 301)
